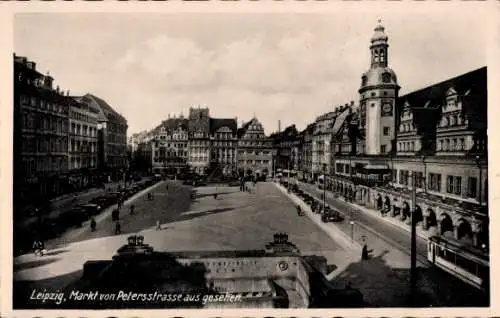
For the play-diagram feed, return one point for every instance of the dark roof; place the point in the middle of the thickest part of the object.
(217, 123)
(474, 82)
(105, 107)
(243, 130)
(172, 124)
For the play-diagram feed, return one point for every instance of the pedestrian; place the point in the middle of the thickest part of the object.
(118, 229)
(158, 225)
(166, 187)
(132, 209)
(364, 252)
(93, 225)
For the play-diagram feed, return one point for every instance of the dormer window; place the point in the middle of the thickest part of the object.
(386, 78)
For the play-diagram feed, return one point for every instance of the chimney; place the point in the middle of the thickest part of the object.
(57, 89)
(47, 81)
(279, 125)
(352, 103)
(169, 115)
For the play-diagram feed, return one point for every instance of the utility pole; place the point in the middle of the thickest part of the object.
(413, 271)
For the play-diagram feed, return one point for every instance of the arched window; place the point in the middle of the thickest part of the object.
(453, 144)
(446, 144)
(452, 120)
(440, 145)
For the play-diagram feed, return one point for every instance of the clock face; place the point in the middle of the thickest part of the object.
(387, 108)
(283, 266)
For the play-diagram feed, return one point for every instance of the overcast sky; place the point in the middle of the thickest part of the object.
(288, 67)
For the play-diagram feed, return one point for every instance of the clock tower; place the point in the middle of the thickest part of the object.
(378, 94)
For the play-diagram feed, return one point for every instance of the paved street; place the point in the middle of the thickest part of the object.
(390, 262)
(235, 221)
(241, 220)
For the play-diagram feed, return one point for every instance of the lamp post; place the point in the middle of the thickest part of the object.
(413, 272)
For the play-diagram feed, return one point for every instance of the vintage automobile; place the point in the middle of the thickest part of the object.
(331, 216)
(91, 209)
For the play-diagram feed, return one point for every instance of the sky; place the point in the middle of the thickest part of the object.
(290, 67)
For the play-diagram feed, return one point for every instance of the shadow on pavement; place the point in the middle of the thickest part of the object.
(22, 291)
(53, 253)
(27, 265)
(385, 286)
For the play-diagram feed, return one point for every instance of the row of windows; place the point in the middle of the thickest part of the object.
(44, 165)
(254, 162)
(83, 146)
(253, 153)
(450, 121)
(451, 144)
(82, 117)
(406, 127)
(79, 163)
(83, 130)
(453, 183)
(406, 146)
(44, 123)
(44, 145)
(43, 104)
(179, 153)
(174, 145)
(174, 137)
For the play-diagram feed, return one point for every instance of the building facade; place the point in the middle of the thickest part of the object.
(82, 146)
(170, 146)
(433, 140)
(112, 138)
(224, 142)
(287, 144)
(306, 148)
(40, 135)
(255, 149)
(199, 139)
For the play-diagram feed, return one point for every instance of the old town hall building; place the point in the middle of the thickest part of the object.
(434, 139)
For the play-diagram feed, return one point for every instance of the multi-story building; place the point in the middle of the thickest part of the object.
(255, 149)
(321, 143)
(306, 148)
(170, 146)
(199, 139)
(224, 142)
(82, 146)
(112, 138)
(287, 144)
(433, 139)
(40, 134)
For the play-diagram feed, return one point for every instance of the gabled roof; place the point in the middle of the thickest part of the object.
(471, 83)
(172, 124)
(217, 123)
(241, 131)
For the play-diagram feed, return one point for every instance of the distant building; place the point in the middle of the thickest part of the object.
(40, 135)
(82, 147)
(112, 138)
(287, 144)
(433, 139)
(306, 148)
(255, 149)
(199, 139)
(170, 146)
(224, 142)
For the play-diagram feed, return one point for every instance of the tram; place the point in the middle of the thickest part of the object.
(465, 263)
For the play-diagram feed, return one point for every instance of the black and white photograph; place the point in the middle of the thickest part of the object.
(190, 160)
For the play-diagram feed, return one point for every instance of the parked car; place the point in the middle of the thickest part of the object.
(331, 216)
(91, 208)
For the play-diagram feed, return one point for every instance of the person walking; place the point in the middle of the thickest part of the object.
(93, 225)
(118, 229)
(158, 225)
(132, 207)
(364, 252)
